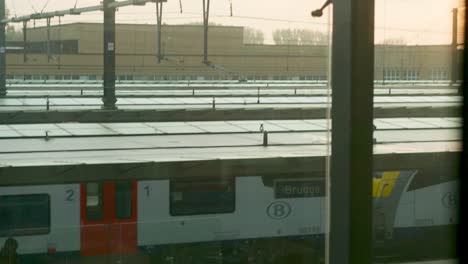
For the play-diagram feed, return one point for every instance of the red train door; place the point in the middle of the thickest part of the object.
(108, 218)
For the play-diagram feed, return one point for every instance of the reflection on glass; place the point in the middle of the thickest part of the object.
(417, 60)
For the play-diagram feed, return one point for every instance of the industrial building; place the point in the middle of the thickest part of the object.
(74, 51)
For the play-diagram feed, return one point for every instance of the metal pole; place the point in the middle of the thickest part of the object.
(350, 237)
(206, 16)
(454, 70)
(463, 186)
(109, 98)
(159, 6)
(25, 40)
(60, 42)
(75, 11)
(3, 90)
(48, 39)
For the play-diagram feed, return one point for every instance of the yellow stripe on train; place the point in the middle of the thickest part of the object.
(382, 187)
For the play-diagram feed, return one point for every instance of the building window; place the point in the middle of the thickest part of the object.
(202, 197)
(439, 74)
(23, 215)
(55, 46)
(412, 75)
(392, 75)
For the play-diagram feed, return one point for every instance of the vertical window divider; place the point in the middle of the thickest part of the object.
(350, 236)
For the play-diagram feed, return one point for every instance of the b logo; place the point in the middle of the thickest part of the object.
(449, 200)
(278, 210)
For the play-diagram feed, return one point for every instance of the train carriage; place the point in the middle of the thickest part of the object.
(130, 217)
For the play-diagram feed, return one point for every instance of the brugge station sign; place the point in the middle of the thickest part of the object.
(299, 189)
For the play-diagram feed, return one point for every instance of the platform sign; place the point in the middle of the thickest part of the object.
(299, 189)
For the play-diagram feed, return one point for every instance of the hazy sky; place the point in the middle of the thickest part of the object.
(415, 21)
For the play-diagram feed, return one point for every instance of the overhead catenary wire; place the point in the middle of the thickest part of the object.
(32, 6)
(45, 5)
(14, 7)
(72, 11)
(275, 20)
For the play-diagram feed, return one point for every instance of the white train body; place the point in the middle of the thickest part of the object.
(64, 231)
(257, 212)
(250, 219)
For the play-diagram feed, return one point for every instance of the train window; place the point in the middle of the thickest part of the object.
(202, 197)
(94, 206)
(23, 215)
(123, 200)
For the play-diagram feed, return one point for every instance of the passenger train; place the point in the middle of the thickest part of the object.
(147, 216)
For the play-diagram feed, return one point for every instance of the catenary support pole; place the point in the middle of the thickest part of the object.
(454, 53)
(350, 237)
(49, 54)
(25, 41)
(109, 98)
(159, 7)
(3, 90)
(60, 44)
(206, 16)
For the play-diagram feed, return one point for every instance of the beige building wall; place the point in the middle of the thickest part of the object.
(182, 47)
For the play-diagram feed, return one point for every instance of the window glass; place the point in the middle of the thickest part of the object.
(202, 197)
(23, 215)
(94, 201)
(218, 149)
(419, 46)
(123, 200)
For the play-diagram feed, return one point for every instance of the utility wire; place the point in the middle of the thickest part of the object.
(44, 7)
(32, 6)
(14, 7)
